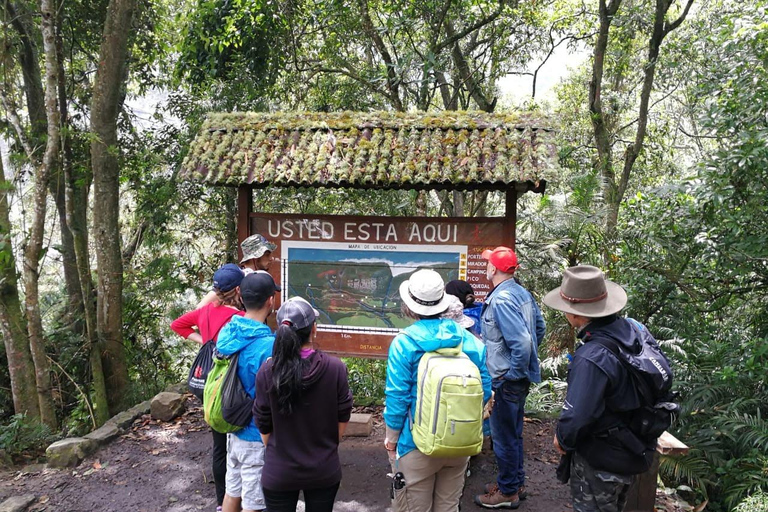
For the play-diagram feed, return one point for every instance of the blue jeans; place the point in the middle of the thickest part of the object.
(507, 432)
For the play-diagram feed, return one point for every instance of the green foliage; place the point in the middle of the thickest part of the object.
(239, 41)
(366, 380)
(758, 502)
(22, 438)
(545, 399)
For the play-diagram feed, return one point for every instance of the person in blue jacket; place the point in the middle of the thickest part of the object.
(253, 340)
(431, 483)
(513, 329)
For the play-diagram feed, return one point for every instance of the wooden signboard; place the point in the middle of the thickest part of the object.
(351, 268)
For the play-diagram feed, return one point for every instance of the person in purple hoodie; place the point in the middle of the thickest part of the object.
(302, 408)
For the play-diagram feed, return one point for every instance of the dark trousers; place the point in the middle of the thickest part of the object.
(507, 432)
(219, 465)
(315, 500)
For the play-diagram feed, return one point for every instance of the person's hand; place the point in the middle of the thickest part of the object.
(558, 447)
(391, 448)
(488, 409)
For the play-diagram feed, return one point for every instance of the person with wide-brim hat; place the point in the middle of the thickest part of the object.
(432, 483)
(586, 292)
(592, 427)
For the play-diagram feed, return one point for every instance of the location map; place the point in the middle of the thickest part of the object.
(355, 287)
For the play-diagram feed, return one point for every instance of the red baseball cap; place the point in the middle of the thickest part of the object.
(503, 258)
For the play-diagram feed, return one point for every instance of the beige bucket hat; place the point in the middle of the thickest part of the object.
(586, 292)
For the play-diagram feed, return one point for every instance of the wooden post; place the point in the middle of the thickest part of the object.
(244, 209)
(642, 493)
(510, 214)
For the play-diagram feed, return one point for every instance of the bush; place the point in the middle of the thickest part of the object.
(758, 502)
(366, 380)
(23, 438)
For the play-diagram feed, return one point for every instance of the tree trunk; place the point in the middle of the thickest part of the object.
(35, 99)
(34, 248)
(231, 225)
(75, 191)
(13, 325)
(613, 189)
(106, 188)
(599, 126)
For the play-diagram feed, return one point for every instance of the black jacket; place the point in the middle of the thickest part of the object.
(600, 400)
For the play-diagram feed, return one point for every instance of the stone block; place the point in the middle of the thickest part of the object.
(139, 410)
(125, 419)
(69, 452)
(180, 387)
(105, 433)
(17, 503)
(360, 425)
(166, 406)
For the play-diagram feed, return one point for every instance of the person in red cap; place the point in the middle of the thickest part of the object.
(512, 328)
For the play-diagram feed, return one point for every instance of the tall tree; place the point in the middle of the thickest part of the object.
(108, 95)
(13, 324)
(75, 201)
(34, 245)
(615, 186)
(20, 20)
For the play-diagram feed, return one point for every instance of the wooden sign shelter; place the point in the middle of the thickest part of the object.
(350, 268)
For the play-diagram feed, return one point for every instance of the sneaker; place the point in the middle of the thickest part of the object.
(493, 487)
(218, 509)
(497, 499)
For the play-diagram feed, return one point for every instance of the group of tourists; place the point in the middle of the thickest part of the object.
(459, 363)
(303, 404)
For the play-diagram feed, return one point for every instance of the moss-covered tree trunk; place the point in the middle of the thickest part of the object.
(13, 324)
(107, 96)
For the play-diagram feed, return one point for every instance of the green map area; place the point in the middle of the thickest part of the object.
(360, 288)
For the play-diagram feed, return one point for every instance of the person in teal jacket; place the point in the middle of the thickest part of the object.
(253, 340)
(433, 484)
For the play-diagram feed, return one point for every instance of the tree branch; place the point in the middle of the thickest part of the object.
(392, 79)
(672, 26)
(457, 36)
(13, 118)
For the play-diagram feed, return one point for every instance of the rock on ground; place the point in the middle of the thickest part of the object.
(17, 503)
(166, 406)
(69, 452)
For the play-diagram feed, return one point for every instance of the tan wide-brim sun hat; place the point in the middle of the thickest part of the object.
(586, 292)
(424, 293)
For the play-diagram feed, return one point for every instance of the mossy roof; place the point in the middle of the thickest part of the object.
(462, 150)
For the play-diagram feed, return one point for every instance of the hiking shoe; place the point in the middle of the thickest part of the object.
(493, 487)
(497, 499)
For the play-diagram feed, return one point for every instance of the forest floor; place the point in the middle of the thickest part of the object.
(166, 467)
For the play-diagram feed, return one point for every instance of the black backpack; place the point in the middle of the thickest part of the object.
(652, 375)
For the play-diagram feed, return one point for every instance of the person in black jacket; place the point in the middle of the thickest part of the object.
(593, 429)
(302, 407)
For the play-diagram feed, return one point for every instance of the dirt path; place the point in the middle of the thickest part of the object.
(165, 467)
